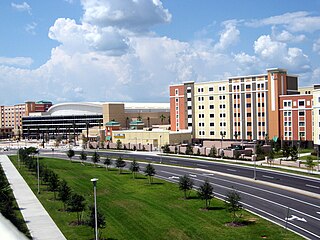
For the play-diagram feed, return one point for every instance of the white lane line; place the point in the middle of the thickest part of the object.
(173, 177)
(267, 176)
(318, 212)
(207, 174)
(232, 170)
(193, 175)
(312, 186)
(201, 165)
(293, 217)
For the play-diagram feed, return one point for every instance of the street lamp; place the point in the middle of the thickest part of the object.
(38, 172)
(94, 181)
(255, 159)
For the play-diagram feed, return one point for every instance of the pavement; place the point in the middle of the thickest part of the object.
(39, 223)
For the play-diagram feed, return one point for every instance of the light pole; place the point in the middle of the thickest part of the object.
(38, 172)
(94, 181)
(255, 159)
(160, 150)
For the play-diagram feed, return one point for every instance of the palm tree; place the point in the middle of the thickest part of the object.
(162, 118)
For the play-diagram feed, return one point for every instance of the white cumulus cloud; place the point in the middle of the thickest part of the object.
(229, 36)
(16, 61)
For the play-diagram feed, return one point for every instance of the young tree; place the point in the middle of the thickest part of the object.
(166, 148)
(53, 183)
(119, 144)
(213, 152)
(95, 157)
(270, 157)
(101, 222)
(162, 118)
(120, 164)
(83, 156)
(189, 150)
(233, 204)
(286, 151)
(134, 168)
(310, 164)
(70, 154)
(107, 162)
(64, 192)
(294, 153)
(150, 172)
(205, 192)
(185, 185)
(76, 203)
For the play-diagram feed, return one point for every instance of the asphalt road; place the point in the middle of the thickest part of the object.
(298, 182)
(297, 212)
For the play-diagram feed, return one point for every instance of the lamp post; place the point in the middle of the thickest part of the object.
(94, 181)
(255, 159)
(160, 150)
(38, 172)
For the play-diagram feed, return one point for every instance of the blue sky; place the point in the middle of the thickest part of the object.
(132, 50)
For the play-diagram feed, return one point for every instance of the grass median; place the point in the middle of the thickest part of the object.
(134, 209)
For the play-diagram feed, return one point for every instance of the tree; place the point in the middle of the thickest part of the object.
(271, 157)
(310, 164)
(162, 118)
(107, 162)
(233, 204)
(101, 222)
(150, 172)
(213, 152)
(166, 148)
(286, 151)
(185, 185)
(95, 157)
(120, 164)
(83, 156)
(134, 168)
(64, 192)
(189, 150)
(76, 204)
(70, 154)
(139, 118)
(119, 144)
(198, 152)
(53, 183)
(205, 192)
(294, 153)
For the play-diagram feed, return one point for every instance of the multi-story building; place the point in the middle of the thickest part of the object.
(316, 117)
(11, 116)
(244, 107)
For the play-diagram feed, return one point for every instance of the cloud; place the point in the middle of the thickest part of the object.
(22, 7)
(316, 46)
(279, 54)
(128, 14)
(229, 36)
(31, 27)
(16, 61)
(285, 36)
(295, 22)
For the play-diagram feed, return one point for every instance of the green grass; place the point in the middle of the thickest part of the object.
(136, 210)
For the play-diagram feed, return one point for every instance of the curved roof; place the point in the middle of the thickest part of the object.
(75, 108)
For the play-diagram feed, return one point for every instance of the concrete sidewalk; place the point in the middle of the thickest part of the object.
(39, 223)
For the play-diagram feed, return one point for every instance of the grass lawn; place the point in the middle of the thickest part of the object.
(135, 209)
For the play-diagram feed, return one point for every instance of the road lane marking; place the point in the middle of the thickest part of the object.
(293, 217)
(201, 165)
(193, 175)
(267, 176)
(173, 177)
(207, 174)
(312, 186)
(232, 170)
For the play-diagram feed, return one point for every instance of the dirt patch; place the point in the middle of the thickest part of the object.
(235, 224)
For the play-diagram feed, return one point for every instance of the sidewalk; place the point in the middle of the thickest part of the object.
(39, 223)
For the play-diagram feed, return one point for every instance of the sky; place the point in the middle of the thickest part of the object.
(132, 50)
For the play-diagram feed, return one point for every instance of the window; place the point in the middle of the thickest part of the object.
(287, 104)
(189, 124)
(211, 124)
(177, 100)
(211, 106)
(301, 124)
(248, 114)
(212, 115)
(188, 90)
(189, 99)
(249, 124)
(211, 133)
(248, 87)
(301, 103)
(248, 105)
(177, 91)
(189, 107)
(211, 98)
(210, 89)
(248, 95)
(301, 113)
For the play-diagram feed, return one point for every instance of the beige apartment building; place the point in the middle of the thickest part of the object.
(316, 118)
